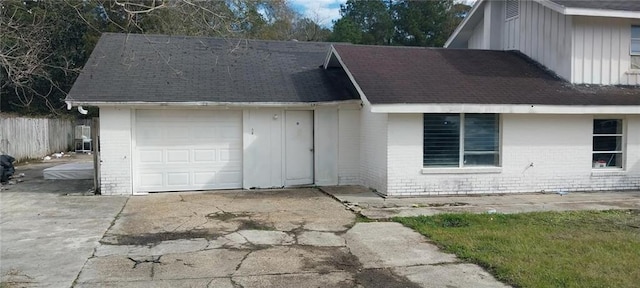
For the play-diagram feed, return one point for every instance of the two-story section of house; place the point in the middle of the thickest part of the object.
(584, 42)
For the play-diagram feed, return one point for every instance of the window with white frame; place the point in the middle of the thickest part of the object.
(461, 140)
(635, 47)
(607, 143)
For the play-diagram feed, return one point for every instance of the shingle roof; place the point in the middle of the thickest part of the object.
(389, 75)
(158, 68)
(622, 5)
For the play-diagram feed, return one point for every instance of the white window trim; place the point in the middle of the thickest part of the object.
(462, 169)
(611, 171)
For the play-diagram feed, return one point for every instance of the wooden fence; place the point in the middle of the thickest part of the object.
(25, 138)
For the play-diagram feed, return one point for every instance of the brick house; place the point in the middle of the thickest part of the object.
(529, 96)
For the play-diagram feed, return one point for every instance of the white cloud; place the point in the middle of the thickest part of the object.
(321, 11)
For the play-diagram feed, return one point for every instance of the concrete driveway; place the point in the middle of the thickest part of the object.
(273, 238)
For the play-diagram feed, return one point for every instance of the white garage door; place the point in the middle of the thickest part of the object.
(178, 150)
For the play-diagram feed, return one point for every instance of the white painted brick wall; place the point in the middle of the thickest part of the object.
(349, 147)
(559, 146)
(373, 149)
(115, 151)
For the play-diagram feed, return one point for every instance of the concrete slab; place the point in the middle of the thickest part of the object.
(387, 244)
(115, 268)
(182, 283)
(453, 275)
(373, 206)
(47, 236)
(201, 264)
(164, 247)
(296, 260)
(321, 239)
(262, 237)
(232, 240)
(328, 280)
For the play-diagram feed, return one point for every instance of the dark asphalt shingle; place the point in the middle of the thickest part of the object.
(390, 75)
(160, 68)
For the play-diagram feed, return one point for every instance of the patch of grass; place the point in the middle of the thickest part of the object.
(543, 249)
(363, 219)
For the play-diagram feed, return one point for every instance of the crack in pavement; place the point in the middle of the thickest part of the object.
(152, 259)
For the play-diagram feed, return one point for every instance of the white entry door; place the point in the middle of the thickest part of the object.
(298, 148)
(178, 150)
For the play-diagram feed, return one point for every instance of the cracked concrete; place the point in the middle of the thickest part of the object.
(274, 238)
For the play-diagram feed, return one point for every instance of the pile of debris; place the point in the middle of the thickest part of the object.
(7, 171)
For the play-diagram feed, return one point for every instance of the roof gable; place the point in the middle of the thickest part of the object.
(126, 68)
(594, 8)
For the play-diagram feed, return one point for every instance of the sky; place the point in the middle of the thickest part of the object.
(321, 11)
(326, 11)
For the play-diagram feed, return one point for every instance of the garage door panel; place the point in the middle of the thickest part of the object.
(151, 179)
(204, 155)
(180, 150)
(204, 179)
(178, 156)
(178, 179)
(155, 156)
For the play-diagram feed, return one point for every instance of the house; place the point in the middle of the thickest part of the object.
(194, 113)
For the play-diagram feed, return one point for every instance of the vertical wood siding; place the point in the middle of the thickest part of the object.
(542, 34)
(25, 138)
(601, 51)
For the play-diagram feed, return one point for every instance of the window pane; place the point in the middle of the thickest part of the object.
(481, 139)
(480, 159)
(607, 126)
(635, 46)
(635, 31)
(441, 140)
(604, 160)
(607, 143)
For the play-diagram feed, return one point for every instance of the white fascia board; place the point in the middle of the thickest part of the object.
(505, 109)
(589, 12)
(225, 105)
(463, 24)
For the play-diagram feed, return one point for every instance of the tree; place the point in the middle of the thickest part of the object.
(422, 23)
(399, 22)
(370, 19)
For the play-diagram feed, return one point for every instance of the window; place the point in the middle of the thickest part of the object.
(460, 140)
(607, 143)
(512, 9)
(635, 47)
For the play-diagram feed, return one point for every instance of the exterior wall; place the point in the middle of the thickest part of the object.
(539, 153)
(538, 32)
(348, 147)
(601, 52)
(373, 147)
(326, 146)
(545, 36)
(476, 41)
(115, 151)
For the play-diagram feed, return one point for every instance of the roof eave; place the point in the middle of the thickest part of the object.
(573, 11)
(505, 108)
(211, 104)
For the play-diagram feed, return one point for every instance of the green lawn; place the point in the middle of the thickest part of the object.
(545, 249)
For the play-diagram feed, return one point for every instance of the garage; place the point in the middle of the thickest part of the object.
(179, 150)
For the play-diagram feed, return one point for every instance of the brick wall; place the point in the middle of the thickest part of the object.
(373, 149)
(539, 153)
(115, 151)
(348, 147)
